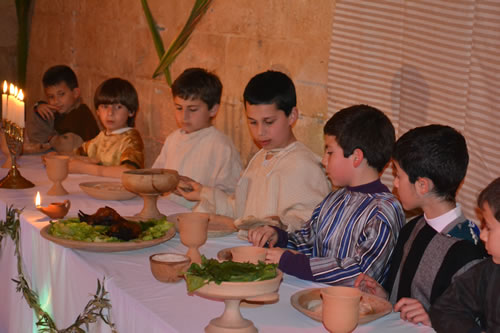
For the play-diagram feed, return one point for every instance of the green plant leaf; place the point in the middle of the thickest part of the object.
(153, 27)
(199, 9)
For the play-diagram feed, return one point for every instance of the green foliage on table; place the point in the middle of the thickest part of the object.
(212, 270)
(167, 58)
(73, 229)
(97, 308)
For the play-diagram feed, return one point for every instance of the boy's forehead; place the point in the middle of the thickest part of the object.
(61, 86)
(195, 100)
(266, 110)
(330, 140)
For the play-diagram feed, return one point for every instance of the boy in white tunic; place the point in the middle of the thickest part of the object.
(197, 150)
(284, 180)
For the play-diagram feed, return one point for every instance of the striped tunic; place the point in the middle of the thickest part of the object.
(352, 231)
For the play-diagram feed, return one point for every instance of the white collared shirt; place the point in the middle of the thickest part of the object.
(440, 222)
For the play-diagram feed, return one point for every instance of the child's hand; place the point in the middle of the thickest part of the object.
(189, 189)
(369, 285)
(273, 255)
(412, 311)
(263, 235)
(46, 111)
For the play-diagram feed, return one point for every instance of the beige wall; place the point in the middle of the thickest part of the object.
(236, 39)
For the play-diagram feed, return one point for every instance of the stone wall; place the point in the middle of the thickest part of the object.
(236, 39)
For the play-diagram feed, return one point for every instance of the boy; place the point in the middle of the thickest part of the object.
(354, 229)
(284, 179)
(432, 249)
(472, 303)
(119, 146)
(197, 150)
(63, 121)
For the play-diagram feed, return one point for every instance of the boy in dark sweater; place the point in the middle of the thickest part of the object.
(63, 120)
(434, 248)
(472, 303)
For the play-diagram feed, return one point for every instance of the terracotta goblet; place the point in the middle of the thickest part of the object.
(57, 171)
(193, 229)
(340, 308)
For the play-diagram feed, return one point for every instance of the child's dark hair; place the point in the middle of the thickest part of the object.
(436, 152)
(271, 87)
(491, 195)
(60, 73)
(198, 83)
(118, 91)
(363, 127)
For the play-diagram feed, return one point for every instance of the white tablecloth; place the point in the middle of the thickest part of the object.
(65, 278)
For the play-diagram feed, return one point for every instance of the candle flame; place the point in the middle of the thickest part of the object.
(5, 86)
(11, 89)
(20, 95)
(38, 200)
(15, 90)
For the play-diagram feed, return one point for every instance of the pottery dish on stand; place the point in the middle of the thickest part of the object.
(232, 293)
(149, 184)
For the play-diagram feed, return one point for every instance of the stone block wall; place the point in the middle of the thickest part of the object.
(236, 39)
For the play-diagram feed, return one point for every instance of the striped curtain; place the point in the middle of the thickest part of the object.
(424, 62)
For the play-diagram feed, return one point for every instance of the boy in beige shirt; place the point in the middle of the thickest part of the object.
(284, 180)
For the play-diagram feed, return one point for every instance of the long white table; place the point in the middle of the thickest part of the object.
(65, 278)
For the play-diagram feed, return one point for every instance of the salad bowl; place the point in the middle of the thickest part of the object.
(105, 246)
(233, 293)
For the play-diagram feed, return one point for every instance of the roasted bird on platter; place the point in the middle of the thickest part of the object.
(118, 226)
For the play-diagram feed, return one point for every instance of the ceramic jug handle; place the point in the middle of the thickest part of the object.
(67, 204)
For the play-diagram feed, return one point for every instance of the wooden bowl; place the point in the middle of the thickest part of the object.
(150, 181)
(169, 267)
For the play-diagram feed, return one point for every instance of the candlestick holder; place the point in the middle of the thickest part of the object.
(14, 135)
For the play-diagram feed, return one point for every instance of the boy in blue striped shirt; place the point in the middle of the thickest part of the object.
(354, 229)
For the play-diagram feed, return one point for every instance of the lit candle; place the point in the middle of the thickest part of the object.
(38, 199)
(15, 114)
(20, 101)
(11, 101)
(5, 96)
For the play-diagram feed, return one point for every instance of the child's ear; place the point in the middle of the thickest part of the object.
(358, 156)
(213, 111)
(293, 116)
(76, 92)
(424, 185)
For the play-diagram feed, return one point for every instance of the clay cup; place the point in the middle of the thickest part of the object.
(340, 308)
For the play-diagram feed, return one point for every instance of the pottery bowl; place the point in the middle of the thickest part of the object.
(169, 267)
(241, 290)
(150, 181)
(106, 190)
(251, 254)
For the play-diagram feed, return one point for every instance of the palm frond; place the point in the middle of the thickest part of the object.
(199, 9)
(153, 27)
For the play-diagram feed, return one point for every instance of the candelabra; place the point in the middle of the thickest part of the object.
(14, 135)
